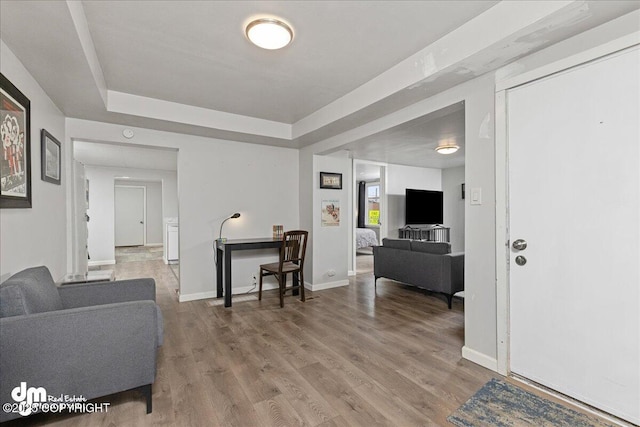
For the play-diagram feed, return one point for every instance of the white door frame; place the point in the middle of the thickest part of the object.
(144, 210)
(502, 179)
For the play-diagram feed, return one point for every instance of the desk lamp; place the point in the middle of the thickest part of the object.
(235, 215)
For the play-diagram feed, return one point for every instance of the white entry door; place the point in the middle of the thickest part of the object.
(129, 216)
(574, 197)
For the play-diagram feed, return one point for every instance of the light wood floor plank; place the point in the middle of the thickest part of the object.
(350, 356)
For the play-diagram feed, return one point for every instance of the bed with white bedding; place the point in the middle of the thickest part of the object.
(365, 237)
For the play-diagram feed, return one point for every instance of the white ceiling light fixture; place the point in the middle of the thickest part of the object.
(269, 33)
(447, 147)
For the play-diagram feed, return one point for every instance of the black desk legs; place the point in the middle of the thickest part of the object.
(223, 275)
(227, 277)
(219, 255)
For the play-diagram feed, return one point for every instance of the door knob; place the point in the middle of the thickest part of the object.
(141, 222)
(520, 245)
(520, 260)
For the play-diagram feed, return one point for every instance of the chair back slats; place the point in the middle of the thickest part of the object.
(294, 247)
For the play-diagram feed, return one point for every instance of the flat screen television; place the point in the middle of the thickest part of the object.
(423, 207)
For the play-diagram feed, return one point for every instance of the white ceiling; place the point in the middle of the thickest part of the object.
(125, 156)
(186, 66)
(414, 142)
(367, 172)
(196, 53)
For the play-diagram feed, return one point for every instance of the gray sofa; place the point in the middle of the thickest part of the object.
(88, 340)
(427, 265)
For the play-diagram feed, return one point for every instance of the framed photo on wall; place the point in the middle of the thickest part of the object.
(51, 157)
(15, 134)
(331, 180)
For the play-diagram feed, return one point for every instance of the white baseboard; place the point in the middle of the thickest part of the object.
(480, 358)
(265, 287)
(327, 285)
(153, 244)
(98, 263)
(351, 273)
(234, 291)
(197, 296)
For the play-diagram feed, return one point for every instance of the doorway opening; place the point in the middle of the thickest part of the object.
(370, 214)
(131, 199)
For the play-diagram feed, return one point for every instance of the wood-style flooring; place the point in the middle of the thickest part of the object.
(348, 356)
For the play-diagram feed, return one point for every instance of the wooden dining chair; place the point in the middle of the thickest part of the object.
(292, 252)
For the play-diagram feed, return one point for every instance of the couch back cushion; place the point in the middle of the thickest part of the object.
(397, 244)
(439, 248)
(29, 291)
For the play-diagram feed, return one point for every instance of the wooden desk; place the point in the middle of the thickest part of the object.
(223, 260)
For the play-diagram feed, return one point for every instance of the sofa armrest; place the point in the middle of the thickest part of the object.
(97, 293)
(89, 351)
(456, 281)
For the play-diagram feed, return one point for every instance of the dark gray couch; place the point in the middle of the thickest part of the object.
(88, 340)
(427, 265)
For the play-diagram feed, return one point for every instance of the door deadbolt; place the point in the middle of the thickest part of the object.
(520, 260)
(519, 245)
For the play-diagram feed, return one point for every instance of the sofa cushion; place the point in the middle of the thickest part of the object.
(29, 291)
(397, 243)
(439, 248)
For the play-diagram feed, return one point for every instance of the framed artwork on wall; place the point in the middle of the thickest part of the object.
(51, 157)
(15, 134)
(330, 215)
(331, 180)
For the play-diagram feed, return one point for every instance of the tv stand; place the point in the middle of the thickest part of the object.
(436, 233)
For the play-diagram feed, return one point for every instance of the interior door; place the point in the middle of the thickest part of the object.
(129, 216)
(574, 190)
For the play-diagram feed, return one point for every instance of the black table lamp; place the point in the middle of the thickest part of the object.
(235, 215)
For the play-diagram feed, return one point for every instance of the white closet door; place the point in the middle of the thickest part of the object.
(129, 216)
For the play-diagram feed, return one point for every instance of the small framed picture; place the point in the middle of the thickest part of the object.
(51, 158)
(331, 180)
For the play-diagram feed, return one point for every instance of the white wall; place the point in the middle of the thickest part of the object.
(399, 178)
(452, 180)
(480, 274)
(480, 220)
(153, 221)
(102, 210)
(332, 245)
(215, 179)
(307, 184)
(36, 236)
